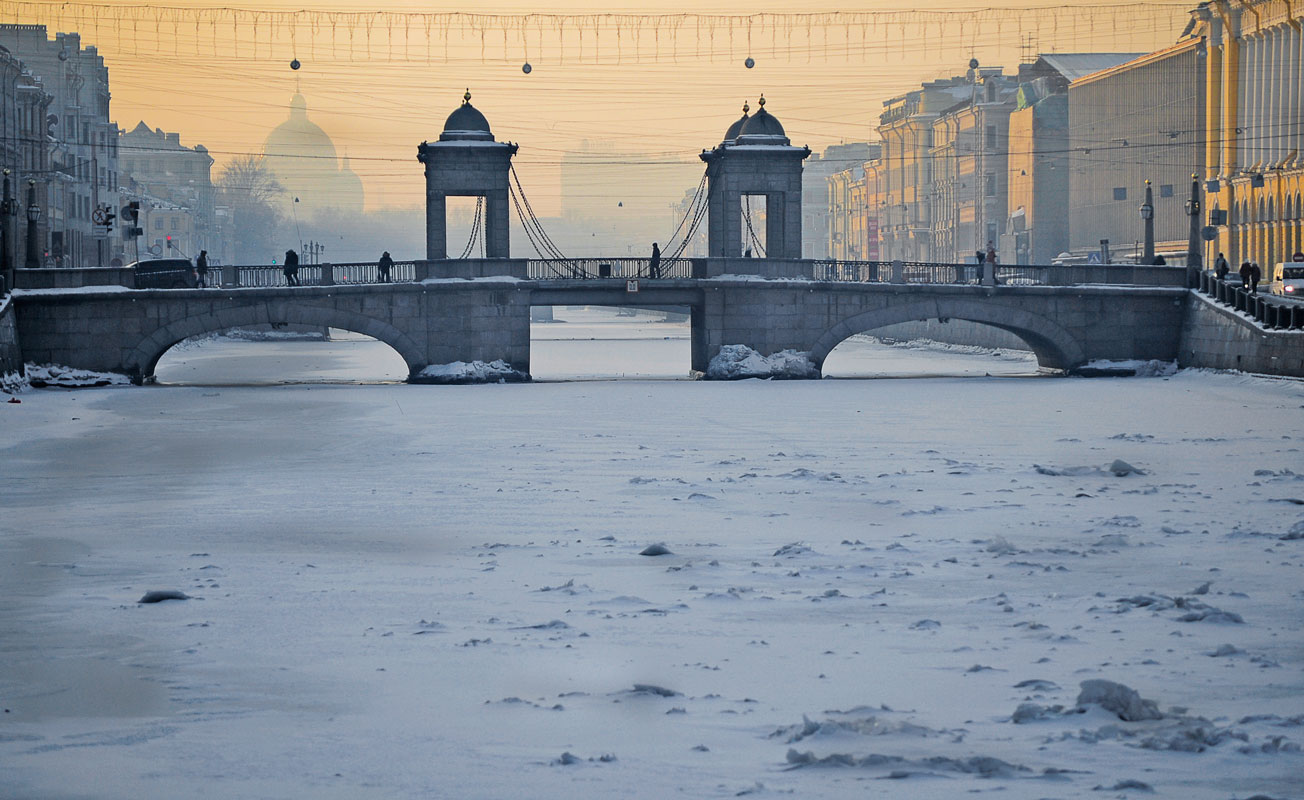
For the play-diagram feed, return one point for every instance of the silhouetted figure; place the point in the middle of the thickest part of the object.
(990, 256)
(291, 269)
(201, 269)
(1256, 275)
(1159, 261)
(1245, 271)
(654, 265)
(1220, 267)
(979, 257)
(383, 266)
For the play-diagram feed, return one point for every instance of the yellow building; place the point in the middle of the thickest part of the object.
(1254, 125)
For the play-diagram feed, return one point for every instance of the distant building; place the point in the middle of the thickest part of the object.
(1253, 126)
(906, 130)
(155, 165)
(24, 104)
(303, 159)
(855, 201)
(969, 153)
(1037, 228)
(1141, 120)
(816, 212)
(77, 174)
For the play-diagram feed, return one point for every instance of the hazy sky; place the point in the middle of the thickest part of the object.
(663, 87)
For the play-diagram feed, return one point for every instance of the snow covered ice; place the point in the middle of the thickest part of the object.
(872, 588)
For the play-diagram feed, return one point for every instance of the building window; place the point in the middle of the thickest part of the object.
(990, 186)
(991, 138)
(1120, 192)
(174, 223)
(1166, 190)
(158, 223)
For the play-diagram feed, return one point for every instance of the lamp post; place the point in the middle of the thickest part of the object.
(1148, 215)
(33, 216)
(7, 235)
(1194, 258)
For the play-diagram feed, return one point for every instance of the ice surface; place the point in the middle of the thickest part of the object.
(413, 592)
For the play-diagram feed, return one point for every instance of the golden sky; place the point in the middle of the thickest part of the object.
(652, 83)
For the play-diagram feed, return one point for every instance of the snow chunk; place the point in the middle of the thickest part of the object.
(460, 372)
(159, 595)
(655, 550)
(39, 375)
(1118, 699)
(738, 361)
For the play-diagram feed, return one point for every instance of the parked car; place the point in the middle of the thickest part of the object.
(165, 273)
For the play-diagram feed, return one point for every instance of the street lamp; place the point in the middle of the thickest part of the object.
(6, 235)
(1148, 215)
(33, 216)
(1193, 254)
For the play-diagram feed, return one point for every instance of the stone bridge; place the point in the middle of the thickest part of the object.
(439, 321)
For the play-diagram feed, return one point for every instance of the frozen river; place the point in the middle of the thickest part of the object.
(887, 588)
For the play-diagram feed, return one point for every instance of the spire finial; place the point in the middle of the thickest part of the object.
(466, 98)
(762, 102)
(746, 108)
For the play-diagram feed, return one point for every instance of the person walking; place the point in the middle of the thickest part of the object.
(291, 269)
(654, 264)
(1220, 268)
(201, 269)
(383, 266)
(1256, 275)
(1245, 272)
(980, 256)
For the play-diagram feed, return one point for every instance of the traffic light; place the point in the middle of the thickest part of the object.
(130, 216)
(169, 242)
(108, 218)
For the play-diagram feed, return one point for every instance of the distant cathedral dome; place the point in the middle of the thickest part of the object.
(302, 156)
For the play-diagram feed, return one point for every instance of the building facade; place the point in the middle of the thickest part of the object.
(1141, 120)
(817, 230)
(78, 173)
(1253, 126)
(969, 154)
(161, 173)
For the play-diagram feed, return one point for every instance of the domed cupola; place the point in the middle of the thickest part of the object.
(762, 128)
(737, 127)
(466, 123)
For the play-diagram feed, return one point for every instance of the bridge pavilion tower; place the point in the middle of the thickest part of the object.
(755, 158)
(467, 162)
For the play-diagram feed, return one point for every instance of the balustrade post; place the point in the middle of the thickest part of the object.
(230, 275)
(327, 275)
(898, 271)
(989, 274)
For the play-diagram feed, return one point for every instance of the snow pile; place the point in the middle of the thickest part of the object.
(458, 372)
(1126, 369)
(40, 375)
(738, 361)
(12, 382)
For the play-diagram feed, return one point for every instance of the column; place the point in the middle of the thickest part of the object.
(436, 226)
(497, 223)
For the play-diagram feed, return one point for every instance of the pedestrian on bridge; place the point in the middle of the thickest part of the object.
(1220, 268)
(201, 269)
(1245, 271)
(383, 266)
(654, 265)
(291, 268)
(1256, 275)
(979, 257)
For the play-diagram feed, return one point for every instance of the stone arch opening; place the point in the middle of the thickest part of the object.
(1054, 347)
(145, 357)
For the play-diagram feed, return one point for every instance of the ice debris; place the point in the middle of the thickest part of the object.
(738, 361)
(655, 550)
(1118, 699)
(461, 372)
(159, 595)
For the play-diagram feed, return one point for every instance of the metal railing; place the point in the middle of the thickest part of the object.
(346, 274)
(1267, 310)
(590, 268)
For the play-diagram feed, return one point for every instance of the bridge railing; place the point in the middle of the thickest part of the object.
(1266, 309)
(272, 275)
(589, 268)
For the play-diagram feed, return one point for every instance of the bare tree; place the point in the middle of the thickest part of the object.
(250, 189)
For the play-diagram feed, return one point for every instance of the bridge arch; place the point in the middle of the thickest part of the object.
(144, 358)
(1054, 347)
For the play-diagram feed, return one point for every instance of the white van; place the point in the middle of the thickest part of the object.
(1287, 279)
